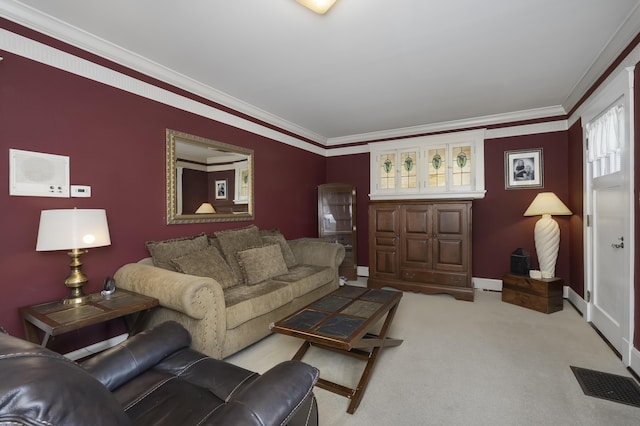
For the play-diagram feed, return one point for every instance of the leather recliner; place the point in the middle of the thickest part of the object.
(152, 378)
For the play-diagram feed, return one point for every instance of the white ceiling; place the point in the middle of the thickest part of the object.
(367, 67)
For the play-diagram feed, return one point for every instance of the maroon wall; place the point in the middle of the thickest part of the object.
(195, 190)
(636, 196)
(116, 144)
(575, 203)
(498, 224)
(354, 169)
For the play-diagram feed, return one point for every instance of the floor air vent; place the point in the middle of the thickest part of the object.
(608, 386)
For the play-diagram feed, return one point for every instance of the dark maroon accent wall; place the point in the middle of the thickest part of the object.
(575, 202)
(636, 196)
(498, 224)
(195, 190)
(354, 169)
(116, 144)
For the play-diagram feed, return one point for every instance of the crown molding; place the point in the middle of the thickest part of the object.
(625, 34)
(46, 24)
(488, 120)
(50, 56)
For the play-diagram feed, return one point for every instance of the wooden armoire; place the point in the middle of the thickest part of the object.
(422, 246)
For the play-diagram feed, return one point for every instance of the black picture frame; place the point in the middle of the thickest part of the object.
(524, 169)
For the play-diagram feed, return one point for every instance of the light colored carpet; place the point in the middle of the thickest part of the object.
(462, 363)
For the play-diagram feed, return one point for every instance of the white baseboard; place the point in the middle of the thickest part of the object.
(362, 271)
(96, 347)
(634, 362)
(576, 300)
(487, 284)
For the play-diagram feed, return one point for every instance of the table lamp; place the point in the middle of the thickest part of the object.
(205, 208)
(75, 230)
(547, 231)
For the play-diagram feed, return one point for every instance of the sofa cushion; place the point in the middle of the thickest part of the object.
(235, 240)
(306, 278)
(206, 263)
(275, 236)
(261, 263)
(246, 302)
(163, 251)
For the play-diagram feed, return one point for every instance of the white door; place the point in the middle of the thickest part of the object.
(610, 263)
(609, 204)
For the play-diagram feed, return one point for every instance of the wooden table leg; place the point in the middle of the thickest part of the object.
(135, 321)
(31, 332)
(303, 350)
(371, 363)
(370, 341)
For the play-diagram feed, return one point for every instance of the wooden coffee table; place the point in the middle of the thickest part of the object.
(341, 322)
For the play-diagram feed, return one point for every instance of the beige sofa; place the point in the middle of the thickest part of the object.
(227, 289)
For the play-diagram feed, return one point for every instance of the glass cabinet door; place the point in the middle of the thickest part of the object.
(336, 222)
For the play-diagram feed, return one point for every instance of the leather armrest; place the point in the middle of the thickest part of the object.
(137, 354)
(273, 397)
(39, 387)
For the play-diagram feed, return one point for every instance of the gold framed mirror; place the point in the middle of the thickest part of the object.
(207, 180)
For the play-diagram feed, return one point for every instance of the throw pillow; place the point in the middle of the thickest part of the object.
(163, 251)
(261, 263)
(275, 237)
(235, 240)
(206, 263)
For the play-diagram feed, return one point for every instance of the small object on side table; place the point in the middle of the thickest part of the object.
(542, 295)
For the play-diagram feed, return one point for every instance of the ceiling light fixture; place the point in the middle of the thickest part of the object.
(318, 6)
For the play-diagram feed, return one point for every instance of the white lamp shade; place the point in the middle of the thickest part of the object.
(205, 208)
(547, 203)
(318, 6)
(67, 229)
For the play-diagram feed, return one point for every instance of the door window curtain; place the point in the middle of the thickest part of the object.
(605, 135)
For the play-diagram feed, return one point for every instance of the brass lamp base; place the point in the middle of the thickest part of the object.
(76, 280)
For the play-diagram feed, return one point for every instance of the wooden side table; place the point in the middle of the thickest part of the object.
(55, 318)
(542, 295)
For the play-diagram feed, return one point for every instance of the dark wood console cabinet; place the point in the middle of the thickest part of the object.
(422, 246)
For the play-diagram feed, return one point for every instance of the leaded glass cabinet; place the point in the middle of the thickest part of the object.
(442, 166)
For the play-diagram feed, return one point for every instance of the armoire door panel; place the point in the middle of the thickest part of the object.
(450, 255)
(450, 222)
(417, 251)
(417, 220)
(386, 220)
(421, 245)
(385, 241)
(386, 263)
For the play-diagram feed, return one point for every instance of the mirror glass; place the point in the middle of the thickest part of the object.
(207, 181)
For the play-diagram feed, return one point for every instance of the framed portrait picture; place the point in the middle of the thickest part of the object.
(221, 189)
(523, 169)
